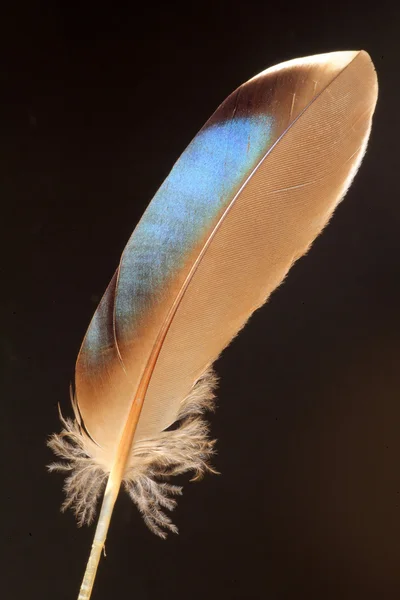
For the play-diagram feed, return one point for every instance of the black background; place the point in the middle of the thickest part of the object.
(96, 104)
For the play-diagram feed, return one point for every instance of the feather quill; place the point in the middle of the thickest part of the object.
(244, 201)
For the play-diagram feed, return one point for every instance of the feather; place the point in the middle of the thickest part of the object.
(245, 200)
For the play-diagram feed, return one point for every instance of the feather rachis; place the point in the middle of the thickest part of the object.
(281, 153)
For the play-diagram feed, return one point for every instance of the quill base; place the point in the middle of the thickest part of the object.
(107, 507)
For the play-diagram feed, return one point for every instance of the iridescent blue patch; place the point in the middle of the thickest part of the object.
(202, 182)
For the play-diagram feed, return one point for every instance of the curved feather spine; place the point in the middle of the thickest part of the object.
(318, 221)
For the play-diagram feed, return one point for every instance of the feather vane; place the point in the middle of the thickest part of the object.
(245, 200)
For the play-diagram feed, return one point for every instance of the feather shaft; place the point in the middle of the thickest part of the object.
(111, 494)
(107, 507)
(117, 472)
(246, 199)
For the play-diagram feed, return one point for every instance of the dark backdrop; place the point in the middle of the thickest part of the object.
(95, 107)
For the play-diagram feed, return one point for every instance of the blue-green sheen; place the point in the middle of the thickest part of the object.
(201, 184)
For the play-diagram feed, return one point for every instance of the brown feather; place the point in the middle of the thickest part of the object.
(140, 384)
